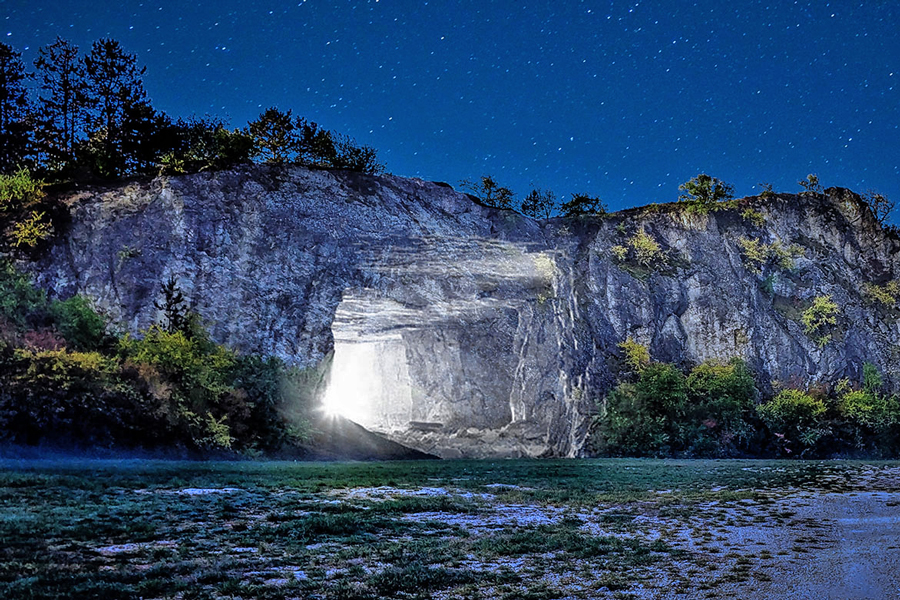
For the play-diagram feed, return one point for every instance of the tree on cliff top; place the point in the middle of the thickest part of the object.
(705, 190)
(14, 141)
(539, 204)
(62, 104)
(582, 204)
(489, 192)
(274, 136)
(116, 95)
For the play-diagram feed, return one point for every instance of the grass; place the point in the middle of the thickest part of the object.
(452, 529)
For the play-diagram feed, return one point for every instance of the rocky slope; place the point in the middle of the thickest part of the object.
(468, 331)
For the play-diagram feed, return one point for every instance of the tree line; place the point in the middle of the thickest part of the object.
(87, 115)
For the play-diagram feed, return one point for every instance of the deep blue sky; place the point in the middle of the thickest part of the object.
(620, 99)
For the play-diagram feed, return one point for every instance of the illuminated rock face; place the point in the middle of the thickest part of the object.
(467, 331)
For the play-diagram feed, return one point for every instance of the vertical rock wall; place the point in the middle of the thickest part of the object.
(466, 331)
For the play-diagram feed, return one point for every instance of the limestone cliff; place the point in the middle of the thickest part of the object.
(463, 330)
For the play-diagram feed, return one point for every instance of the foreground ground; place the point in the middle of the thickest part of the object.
(450, 529)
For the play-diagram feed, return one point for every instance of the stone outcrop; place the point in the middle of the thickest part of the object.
(462, 330)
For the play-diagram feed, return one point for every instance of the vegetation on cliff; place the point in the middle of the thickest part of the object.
(67, 380)
(716, 409)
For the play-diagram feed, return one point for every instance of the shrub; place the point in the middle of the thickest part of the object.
(757, 254)
(819, 317)
(19, 300)
(619, 252)
(767, 192)
(795, 415)
(754, 216)
(19, 190)
(864, 409)
(637, 356)
(20, 194)
(644, 418)
(79, 323)
(647, 251)
(198, 397)
(722, 398)
(887, 294)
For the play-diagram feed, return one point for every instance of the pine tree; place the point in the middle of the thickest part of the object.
(274, 136)
(114, 87)
(14, 113)
(62, 103)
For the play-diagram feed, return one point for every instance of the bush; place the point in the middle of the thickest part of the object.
(722, 399)
(19, 300)
(647, 251)
(637, 356)
(644, 418)
(887, 294)
(794, 416)
(20, 195)
(197, 399)
(757, 254)
(819, 317)
(19, 190)
(79, 323)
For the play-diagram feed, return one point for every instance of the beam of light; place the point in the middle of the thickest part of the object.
(352, 383)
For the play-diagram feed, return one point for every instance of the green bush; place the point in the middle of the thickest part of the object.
(198, 396)
(757, 254)
(643, 418)
(22, 221)
(79, 323)
(636, 355)
(19, 300)
(647, 251)
(722, 400)
(819, 317)
(794, 416)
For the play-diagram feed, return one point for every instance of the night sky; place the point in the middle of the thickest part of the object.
(624, 100)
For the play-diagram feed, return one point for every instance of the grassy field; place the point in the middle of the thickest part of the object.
(431, 529)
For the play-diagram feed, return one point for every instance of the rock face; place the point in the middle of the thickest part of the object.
(462, 330)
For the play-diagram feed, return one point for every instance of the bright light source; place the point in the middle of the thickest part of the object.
(352, 382)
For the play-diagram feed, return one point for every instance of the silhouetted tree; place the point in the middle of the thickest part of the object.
(147, 135)
(14, 139)
(274, 136)
(880, 206)
(316, 144)
(354, 157)
(539, 204)
(176, 314)
(582, 204)
(811, 184)
(114, 87)
(489, 192)
(205, 143)
(62, 103)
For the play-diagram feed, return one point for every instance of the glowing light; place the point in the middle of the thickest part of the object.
(352, 382)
